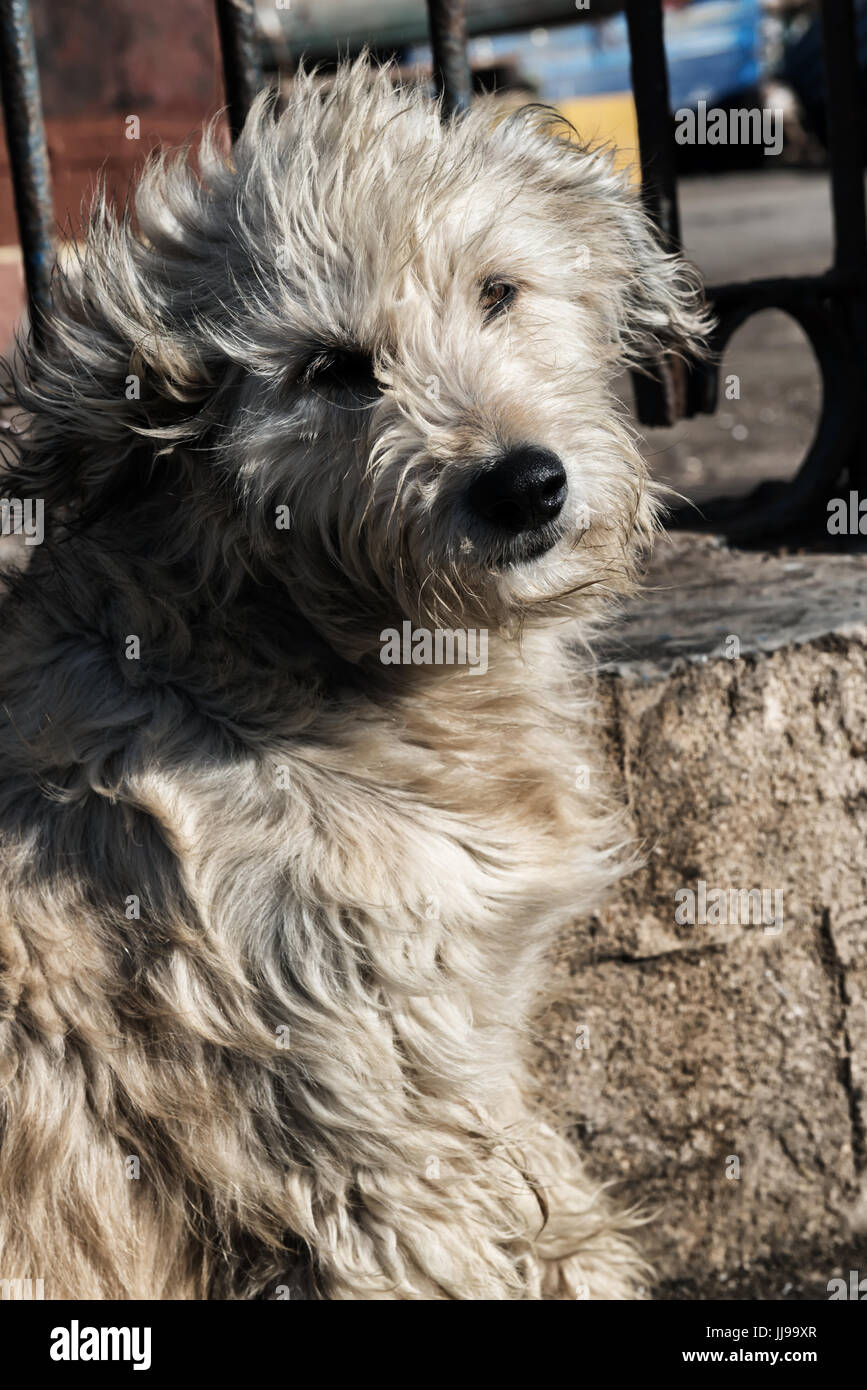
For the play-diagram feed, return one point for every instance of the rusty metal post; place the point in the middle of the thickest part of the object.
(649, 71)
(451, 66)
(845, 150)
(28, 155)
(661, 399)
(242, 68)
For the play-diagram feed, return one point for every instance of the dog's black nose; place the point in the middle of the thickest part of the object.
(523, 490)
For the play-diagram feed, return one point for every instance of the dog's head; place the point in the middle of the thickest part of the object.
(384, 345)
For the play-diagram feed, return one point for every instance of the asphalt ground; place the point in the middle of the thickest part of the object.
(740, 227)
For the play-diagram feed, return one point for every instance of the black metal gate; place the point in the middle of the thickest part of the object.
(831, 308)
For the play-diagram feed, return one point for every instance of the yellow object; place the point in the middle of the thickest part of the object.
(608, 117)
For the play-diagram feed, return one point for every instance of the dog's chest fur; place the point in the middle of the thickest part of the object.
(337, 915)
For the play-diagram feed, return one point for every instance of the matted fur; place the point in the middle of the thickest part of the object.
(252, 825)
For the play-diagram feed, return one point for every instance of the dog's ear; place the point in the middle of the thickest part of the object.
(117, 374)
(651, 301)
(662, 307)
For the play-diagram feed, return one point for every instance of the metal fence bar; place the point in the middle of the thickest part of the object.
(831, 309)
(242, 68)
(844, 135)
(649, 75)
(28, 155)
(665, 396)
(846, 145)
(451, 66)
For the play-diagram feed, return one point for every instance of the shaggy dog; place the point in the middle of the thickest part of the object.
(273, 909)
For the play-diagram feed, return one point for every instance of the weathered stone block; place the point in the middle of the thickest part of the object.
(723, 1083)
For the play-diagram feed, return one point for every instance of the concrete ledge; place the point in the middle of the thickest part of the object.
(699, 593)
(724, 1081)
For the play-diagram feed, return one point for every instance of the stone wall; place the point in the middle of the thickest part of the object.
(724, 1081)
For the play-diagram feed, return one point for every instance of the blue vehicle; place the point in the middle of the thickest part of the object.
(715, 52)
(713, 46)
(804, 70)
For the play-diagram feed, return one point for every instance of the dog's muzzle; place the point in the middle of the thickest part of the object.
(519, 496)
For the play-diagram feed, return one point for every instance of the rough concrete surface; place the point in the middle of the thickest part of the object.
(725, 1080)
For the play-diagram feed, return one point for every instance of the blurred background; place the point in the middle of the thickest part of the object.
(744, 213)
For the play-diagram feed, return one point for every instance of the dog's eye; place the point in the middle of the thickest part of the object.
(340, 369)
(496, 296)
